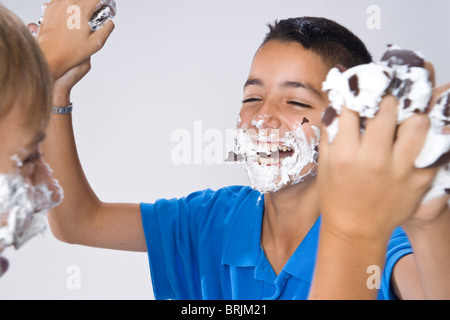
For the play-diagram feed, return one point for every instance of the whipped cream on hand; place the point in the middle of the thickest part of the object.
(402, 74)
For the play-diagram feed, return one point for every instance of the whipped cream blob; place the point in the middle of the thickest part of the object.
(401, 73)
(436, 150)
(23, 207)
(273, 161)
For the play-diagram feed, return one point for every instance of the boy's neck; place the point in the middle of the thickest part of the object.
(288, 216)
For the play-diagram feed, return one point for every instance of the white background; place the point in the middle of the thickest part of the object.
(168, 64)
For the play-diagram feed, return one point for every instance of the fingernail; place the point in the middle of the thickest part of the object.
(4, 264)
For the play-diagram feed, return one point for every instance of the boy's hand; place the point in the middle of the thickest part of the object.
(368, 183)
(428, 213)
(64, 84)
(66, 43)
(431, 212)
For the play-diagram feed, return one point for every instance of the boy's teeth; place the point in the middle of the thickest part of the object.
(265, 147)
(268, 148)
(267, 161)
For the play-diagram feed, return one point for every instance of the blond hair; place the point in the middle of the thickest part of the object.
(25, 78)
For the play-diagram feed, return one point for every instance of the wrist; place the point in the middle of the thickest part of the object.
(358, 239)
(354, 231)
(54, 64)
(61, 97)
(345, 264)
(416, 229)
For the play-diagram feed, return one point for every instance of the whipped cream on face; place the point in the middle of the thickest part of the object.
(271, 161)
(401, 73)
(23, 207)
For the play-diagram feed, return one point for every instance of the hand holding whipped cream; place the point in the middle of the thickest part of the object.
(400, 73)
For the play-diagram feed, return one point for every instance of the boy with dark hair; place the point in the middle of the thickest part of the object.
(334, 43)
(239, 242)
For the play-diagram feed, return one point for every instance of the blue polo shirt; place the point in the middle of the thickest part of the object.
(208, 246)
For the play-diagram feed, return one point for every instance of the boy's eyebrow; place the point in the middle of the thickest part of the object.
(287, 84)
(253, 82)
(307, 86)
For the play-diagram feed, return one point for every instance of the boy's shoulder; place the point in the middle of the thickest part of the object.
(224, 200)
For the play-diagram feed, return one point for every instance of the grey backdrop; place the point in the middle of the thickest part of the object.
(168, 64)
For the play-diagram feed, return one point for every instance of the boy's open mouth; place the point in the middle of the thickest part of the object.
(272, 154)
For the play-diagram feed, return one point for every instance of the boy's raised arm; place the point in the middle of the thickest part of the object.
(81, 218)
(65, 36)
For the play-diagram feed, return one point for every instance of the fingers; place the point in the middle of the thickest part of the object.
(323, 147)
(411, 136)
(383, 138)
(380, 131)
(99, 37)
(80, 13)
(90, 5)
(348, 135)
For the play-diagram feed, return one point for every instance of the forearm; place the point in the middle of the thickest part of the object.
(342, 264)
(431, 245)
(76, 210)
(82, 218)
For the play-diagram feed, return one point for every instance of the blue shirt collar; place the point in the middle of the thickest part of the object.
(302, 262)
(243, 245)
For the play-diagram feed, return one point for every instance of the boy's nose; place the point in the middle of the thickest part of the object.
(267, 116)
(266, 121)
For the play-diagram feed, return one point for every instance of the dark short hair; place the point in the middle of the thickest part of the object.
(334, 43)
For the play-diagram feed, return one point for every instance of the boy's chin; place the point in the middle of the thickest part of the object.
(269, 179)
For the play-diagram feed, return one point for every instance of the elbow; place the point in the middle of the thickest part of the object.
(64, 228)
(73, 224)
(58, 230)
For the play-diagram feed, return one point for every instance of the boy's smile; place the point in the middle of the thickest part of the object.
(280, 119)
